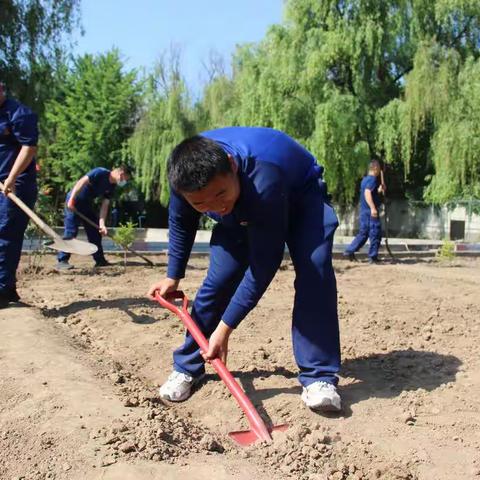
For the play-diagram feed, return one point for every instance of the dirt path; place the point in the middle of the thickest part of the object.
(81, 366)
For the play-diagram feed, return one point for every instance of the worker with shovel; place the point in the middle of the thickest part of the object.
(99, 182)
(18, 146)
(265, 191)
(370, 227)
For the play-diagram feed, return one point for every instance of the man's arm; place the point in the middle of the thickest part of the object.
(369, 199)
(77, 187)
(183, 222)
(25, 129)
(103, 216)
(182, 227)
(24, 157)
(383, 186)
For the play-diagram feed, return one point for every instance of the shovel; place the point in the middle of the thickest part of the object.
(258, 429)
(57, 242)
(93, 224)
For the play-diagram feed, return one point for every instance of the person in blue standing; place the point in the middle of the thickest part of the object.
(18, 147)
(370, 226)
(99, 182)
(265, 191)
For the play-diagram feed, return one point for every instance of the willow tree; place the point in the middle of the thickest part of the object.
(439, 117)
(165, 121)
(333, 76)
(214, 110)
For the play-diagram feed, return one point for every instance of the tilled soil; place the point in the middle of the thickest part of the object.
(83, 357)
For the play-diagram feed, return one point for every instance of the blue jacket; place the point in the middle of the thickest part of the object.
(369, 182)
(99, 186)
(272, 169)
(18, 127)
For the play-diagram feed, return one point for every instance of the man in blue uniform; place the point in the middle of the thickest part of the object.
(99, 182)
(370, 226)
(18, 146)
(265, 191)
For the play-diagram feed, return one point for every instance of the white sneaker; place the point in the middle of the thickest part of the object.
(322, 396)
(62, 266)
(178, 386)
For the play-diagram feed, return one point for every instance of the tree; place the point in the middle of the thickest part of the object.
(165, 121)
(337, 74)
(33, 44)
(92, 118)
(440, 112)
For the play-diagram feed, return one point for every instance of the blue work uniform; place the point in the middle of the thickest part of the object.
(98, 185)
(18, 128)
(370, 227)
(283, 200)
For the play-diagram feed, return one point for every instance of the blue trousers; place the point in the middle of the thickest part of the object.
(13, 223)
(315, 331)
(71, 223)
(370, 228)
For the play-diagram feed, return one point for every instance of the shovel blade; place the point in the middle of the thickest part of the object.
(72, 246)
(247, 437)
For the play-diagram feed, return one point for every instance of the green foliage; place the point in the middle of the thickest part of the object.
(206, 223)
(91, 119)
(336, 142)
(35, 236)
(446, 252)
(350, 79)
(125, 234)
(165, 121)
(33, 43)
(357, 78)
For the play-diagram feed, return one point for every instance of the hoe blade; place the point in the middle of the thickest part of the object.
(247, 437)
(72, 246)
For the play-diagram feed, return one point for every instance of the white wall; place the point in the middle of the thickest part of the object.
(416, 220)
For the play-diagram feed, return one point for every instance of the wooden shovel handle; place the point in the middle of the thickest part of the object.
(93, 224)
(41, 224)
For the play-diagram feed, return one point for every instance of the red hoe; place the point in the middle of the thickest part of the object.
(258, 429)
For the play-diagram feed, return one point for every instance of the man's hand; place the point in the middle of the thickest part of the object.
(218, 343)
(163, 287)
(103, 230)
(71, 203)
(9, 186)
(374, 212)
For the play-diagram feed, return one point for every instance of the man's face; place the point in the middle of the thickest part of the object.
(219, 196)
(120, 175)
(375, 170)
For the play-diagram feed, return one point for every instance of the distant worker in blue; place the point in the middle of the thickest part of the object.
(18, 147)
(264, 190)
(99, 182)
(370, 226)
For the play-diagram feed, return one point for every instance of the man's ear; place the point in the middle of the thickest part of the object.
(233, 164)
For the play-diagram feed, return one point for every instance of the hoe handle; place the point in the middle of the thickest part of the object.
(254, 419)
(30, 213)
(94, 225)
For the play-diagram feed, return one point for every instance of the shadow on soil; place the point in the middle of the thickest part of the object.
(379, 375)
(387, 375)
(127, 305)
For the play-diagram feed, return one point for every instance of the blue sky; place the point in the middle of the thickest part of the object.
(143, 29)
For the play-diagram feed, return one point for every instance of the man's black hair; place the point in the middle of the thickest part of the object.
(374, 163)
(126, 169)
(194, 162)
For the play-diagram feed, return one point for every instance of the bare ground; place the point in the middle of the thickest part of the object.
(81, 361)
